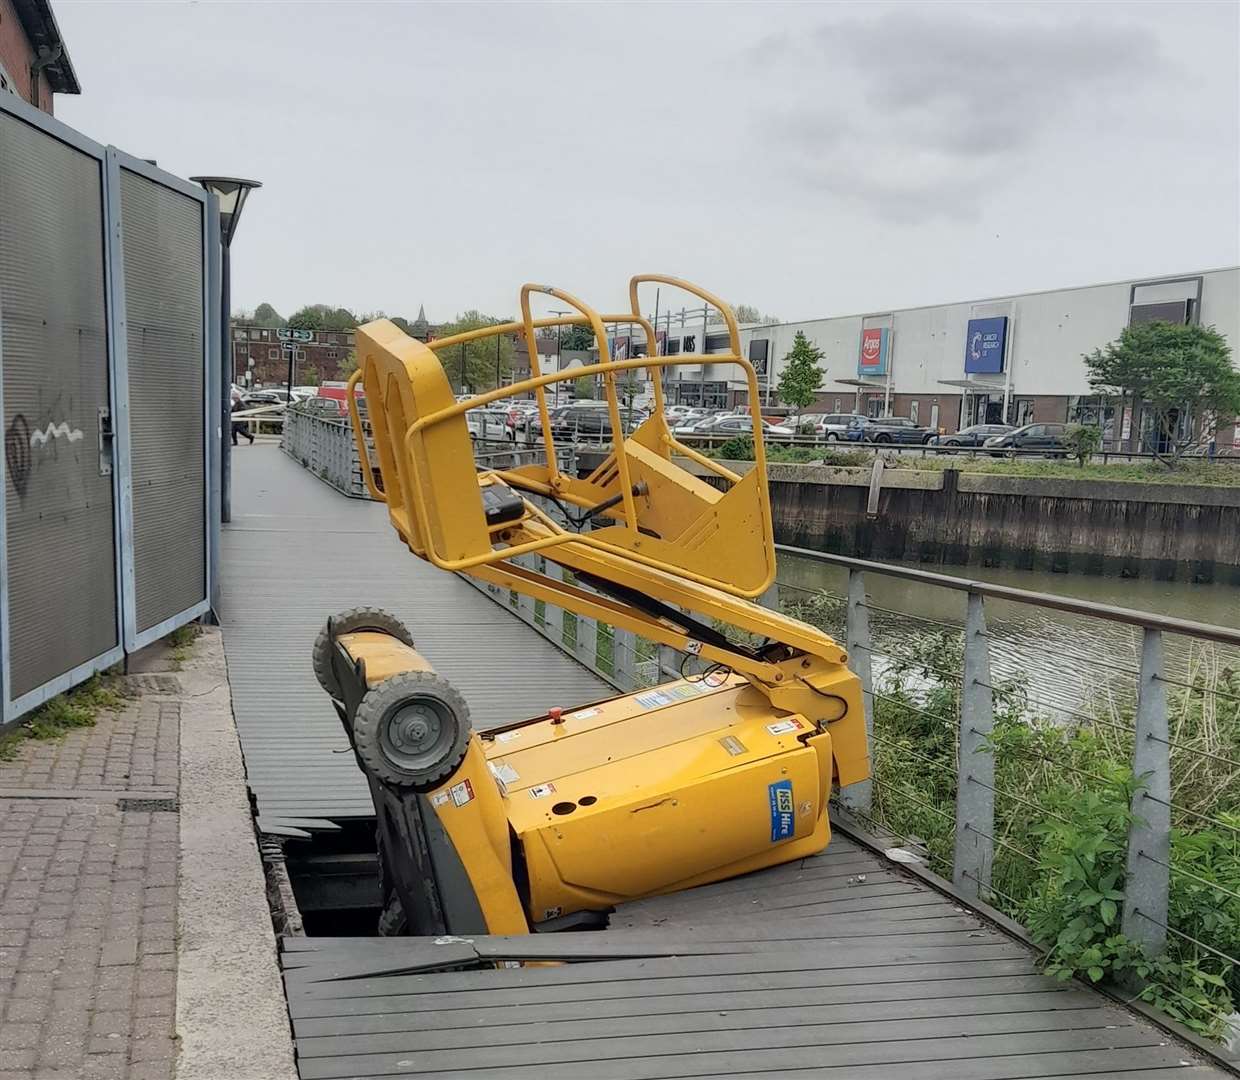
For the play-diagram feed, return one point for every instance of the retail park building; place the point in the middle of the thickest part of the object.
(951, 365)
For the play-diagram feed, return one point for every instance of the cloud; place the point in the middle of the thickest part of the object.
(920, 115)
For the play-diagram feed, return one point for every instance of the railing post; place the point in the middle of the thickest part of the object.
(669, 663)
(587, 642)
(525, 603)
(975, 797)
(553, 616)
(859, 796)
(624, 657)
(1149, 834)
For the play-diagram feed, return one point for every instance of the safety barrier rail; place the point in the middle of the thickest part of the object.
(325, 445)
(973, 732)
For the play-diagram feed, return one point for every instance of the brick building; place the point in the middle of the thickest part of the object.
(259, 358)
(34, 62)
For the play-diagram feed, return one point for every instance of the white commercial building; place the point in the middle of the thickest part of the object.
(1018, 358)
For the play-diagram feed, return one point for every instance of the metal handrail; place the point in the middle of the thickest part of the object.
(1149, 620)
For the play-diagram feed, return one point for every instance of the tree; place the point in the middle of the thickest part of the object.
(583, 388)
(801, 375)
(348, 365)
(747, 313)
(1182, 373)
(309, 377)
(266, 315)
(476, 360)
(577, 339)
(322, 317)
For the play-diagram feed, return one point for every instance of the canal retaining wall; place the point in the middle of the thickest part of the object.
(1169, 532)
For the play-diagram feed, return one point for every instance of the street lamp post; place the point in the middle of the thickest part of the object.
(559, 339)
(232, 193)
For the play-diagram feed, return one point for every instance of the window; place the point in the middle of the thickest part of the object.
(671, 347)
(837, 404)
(331, 354)
(299, 354)
(913, 411)
(718, 341)
(273, 354)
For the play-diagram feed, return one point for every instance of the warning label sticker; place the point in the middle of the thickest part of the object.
(504, 772)
(541, 791)
(780, 795)
(507, 736)
(461, 793)
(654, 699)
(783, 727)
(439, 798)
(732, 745)
(582, 714)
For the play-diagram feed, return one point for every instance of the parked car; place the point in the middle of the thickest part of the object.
(257, 398)
(723, 426)
(834, 426)
(975, 435)
(898, 430)
(488, 425)
(1049, 438)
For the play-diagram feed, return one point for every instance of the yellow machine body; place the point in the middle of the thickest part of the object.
(687, 783)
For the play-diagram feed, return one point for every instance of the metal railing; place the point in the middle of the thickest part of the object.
(326, 447)
(990, 666)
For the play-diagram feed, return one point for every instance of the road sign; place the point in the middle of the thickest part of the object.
(285, 334)
(290, 347)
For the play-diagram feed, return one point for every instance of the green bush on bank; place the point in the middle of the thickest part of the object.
(1062, 812)
(1219, 474)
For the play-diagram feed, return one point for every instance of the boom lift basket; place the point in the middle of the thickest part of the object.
(658, 514)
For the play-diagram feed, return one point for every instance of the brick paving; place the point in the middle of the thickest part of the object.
(88, 901)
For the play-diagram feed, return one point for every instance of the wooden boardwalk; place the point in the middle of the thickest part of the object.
(298, 551)
(840, 966)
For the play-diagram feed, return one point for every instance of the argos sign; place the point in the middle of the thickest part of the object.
(875, 348)
(985, 343)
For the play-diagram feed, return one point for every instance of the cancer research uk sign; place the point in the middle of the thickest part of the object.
(875, 347)
(984, 346)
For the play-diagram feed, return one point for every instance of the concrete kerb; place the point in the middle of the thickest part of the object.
(231, 1016)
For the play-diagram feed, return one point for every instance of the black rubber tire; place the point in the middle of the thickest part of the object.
(832, 437)
(882, 438)
(382, 705)
(350, 622)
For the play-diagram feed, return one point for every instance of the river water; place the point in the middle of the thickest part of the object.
(1065, 659)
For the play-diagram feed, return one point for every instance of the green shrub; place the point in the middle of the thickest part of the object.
(1083, 440)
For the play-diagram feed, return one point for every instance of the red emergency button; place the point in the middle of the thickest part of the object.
(556, 715)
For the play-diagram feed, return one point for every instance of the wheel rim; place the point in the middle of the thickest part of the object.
(416, 734)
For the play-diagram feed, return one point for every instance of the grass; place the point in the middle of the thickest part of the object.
(1220, 474)
(181, 641)
(78, 708)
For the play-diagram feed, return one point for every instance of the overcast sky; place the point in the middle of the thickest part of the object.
(808, 159)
